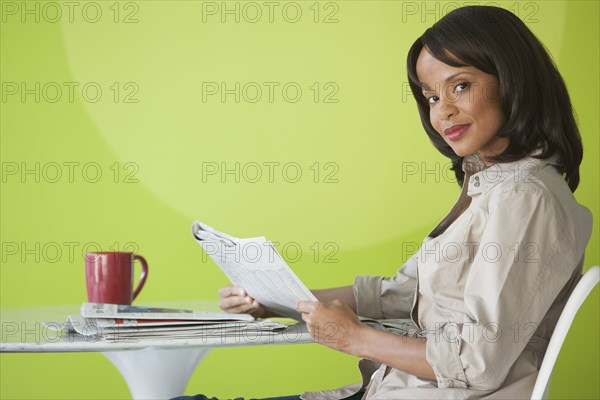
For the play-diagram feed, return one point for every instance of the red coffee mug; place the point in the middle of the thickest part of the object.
(109, 277)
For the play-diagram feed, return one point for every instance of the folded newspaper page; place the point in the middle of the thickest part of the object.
(255, 265)
(121, 311)
(134, 330)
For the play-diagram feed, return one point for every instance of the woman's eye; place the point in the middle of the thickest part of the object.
(461, 86)
(458, 88)
(431, 99)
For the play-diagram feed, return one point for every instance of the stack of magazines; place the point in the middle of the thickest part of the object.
(114, 322)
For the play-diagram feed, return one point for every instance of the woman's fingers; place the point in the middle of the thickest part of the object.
(306, 307)
(237, 305)
(243, 309)
(228, 291)
(234, 299)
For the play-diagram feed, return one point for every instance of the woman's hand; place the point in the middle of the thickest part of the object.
(333, 324)
(235, 300)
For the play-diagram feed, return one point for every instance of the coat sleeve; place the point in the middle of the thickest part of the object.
(522, 261)
(379, 298)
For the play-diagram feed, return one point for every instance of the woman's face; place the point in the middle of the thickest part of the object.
(464, 106)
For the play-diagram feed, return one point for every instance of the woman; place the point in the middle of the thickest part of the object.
(486, 287)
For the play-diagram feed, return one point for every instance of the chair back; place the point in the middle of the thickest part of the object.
(585, 285)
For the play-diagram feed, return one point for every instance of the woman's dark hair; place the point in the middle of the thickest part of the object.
(532, 94)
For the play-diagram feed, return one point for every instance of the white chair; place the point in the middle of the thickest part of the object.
(585, 285)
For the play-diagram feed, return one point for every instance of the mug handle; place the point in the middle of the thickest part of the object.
(140, 285)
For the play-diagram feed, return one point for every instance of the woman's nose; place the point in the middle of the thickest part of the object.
(446, 108)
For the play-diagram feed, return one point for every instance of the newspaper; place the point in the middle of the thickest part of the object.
(255, 265)
(122, 311)
(125, 330)
(131, 330)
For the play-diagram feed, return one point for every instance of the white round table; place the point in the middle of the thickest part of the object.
(152, 368)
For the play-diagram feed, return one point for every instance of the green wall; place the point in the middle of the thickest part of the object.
(122, 144)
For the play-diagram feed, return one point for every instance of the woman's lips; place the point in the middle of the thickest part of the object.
(455, 132)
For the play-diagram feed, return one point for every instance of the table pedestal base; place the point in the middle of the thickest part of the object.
(155, 373)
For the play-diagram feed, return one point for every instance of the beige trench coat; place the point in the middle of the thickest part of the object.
(486, 292)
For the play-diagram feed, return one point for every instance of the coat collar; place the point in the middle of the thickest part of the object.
(482, 180)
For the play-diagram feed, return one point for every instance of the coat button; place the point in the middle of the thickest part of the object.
(476, 184)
